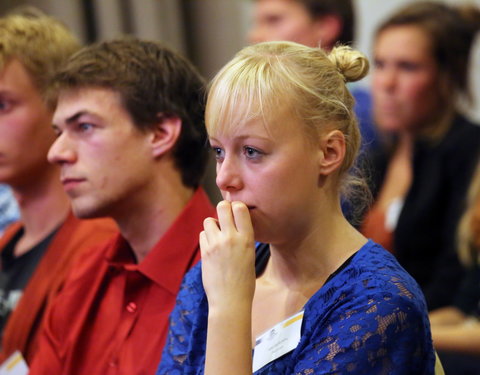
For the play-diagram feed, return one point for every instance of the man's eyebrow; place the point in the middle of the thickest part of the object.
(72, 118)
(75, 117)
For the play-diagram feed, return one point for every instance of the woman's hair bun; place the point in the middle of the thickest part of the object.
(352, 64)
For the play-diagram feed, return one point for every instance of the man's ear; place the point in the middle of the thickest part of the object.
(328, 29)
(165, 134)
(333, 148)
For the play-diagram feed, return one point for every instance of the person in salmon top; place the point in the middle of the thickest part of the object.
(37, 251)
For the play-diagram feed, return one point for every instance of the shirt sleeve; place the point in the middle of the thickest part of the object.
(381, 333)
(46, 360)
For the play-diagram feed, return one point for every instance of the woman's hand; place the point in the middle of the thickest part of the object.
(228, 257)
(228, 274)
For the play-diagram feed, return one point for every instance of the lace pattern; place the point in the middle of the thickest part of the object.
(370, 318)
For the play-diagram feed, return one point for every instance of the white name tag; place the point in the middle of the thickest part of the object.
(277, 341)
(14, 365)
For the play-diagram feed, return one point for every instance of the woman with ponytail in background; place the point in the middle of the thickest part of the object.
(320, 297)
(421, 176)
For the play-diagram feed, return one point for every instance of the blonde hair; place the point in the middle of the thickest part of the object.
(468, 238)
(265, 77)
(39, 42)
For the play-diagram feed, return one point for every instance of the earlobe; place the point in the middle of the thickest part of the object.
(332, 152)
(165, 134)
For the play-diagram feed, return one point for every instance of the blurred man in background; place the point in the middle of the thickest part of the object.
(315, 23)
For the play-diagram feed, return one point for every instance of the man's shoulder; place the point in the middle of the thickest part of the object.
(90, 262)
(9, 233)
(87, 232)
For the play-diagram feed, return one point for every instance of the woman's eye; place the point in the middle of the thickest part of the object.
(219, 153)
(252, 153)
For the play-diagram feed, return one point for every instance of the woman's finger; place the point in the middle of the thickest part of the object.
(242, 219)
(203, 241)
(225, 217)
(211, 228)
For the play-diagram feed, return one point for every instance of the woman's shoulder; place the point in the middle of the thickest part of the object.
(373, 276)
(371, 306)
(373, 261)
(460, 149)
(462, 132)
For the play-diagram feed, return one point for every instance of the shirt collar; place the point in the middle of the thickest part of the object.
(173, 254)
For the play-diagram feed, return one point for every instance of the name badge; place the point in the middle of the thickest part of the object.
(14, 365)
(277, 341)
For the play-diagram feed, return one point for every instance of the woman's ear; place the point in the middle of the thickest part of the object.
(165, 134)
(332, 147)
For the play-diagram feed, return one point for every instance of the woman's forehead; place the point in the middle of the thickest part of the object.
(242, 123)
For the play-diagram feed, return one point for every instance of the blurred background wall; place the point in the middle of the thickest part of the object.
(209, 32)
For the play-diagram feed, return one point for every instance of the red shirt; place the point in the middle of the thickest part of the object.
(73, 238)
(112, 316)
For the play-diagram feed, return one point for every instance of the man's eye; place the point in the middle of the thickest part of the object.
(5, 105)
(84, 126)
(409, 66)
(378, 64)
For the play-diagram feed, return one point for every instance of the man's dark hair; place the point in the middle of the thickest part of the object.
(342, 8)
(153, 82)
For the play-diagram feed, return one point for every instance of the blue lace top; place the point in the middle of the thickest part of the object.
(369, 318)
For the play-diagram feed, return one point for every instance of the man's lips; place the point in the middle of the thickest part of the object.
(71, 182)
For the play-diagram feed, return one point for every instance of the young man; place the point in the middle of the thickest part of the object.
(38, 251)
(315, 23)
(131, 145)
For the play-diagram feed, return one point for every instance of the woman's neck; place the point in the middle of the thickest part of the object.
(316, 255)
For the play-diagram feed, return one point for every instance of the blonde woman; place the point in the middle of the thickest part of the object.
(320, 297)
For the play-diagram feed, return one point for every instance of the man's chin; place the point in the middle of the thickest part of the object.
(82, 212)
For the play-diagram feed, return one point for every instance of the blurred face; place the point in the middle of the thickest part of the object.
(105, 161)
(25, 128)
(283, 20)
(405, 80)
(274, 172)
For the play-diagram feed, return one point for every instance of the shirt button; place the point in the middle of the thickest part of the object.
(113, 362)
(132, 307)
